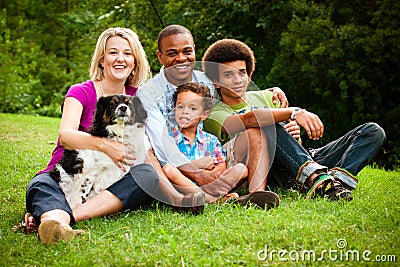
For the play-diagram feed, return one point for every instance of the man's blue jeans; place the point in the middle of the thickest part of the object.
(344, 157)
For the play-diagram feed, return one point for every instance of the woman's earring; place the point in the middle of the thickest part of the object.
(133, 72)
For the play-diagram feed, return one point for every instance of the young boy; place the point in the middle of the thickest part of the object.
(193, 102)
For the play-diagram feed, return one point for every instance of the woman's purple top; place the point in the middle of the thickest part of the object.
(86, 94)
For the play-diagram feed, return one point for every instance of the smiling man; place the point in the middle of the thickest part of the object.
(176, 54)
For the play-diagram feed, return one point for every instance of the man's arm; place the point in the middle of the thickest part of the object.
(156, 128)
(164, 146)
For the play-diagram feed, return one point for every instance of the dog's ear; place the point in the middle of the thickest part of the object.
(141, 113)
(101, 107)
(97, 127)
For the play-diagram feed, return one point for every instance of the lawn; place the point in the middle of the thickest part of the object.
(365, 231)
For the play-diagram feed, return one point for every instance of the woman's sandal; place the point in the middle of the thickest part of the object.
(262, 199)
(51, 231)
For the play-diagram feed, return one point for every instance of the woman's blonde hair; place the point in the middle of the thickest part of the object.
(141, 70)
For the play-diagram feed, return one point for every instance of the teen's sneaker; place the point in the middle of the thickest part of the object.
(342, 192)
(327, 186)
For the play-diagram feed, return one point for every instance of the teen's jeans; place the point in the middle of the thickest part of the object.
(297, 161)
(344, 157)
(349, 154)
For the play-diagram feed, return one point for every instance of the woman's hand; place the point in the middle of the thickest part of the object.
(119, 153)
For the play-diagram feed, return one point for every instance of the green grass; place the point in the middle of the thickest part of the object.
(225, 235)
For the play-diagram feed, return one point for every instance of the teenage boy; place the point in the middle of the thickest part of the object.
(241, 111)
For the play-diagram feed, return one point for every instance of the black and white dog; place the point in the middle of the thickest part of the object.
(82, 174)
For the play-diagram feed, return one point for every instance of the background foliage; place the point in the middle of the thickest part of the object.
(337, 58)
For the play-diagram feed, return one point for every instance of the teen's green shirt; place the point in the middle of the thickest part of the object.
(254, 100)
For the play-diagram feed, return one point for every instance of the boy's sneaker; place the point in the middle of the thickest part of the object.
(326, 186)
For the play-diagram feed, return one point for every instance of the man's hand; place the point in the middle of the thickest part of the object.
(293, 129)
(278, 94)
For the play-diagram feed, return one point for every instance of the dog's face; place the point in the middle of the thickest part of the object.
(120, 109)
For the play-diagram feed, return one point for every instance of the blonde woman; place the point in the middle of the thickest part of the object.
(119, 65)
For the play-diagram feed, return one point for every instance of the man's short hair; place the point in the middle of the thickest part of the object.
(227, 50)
(196, 88)
(172, 30)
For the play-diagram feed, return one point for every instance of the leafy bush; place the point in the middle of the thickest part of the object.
(337, 58)
(336, 64)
